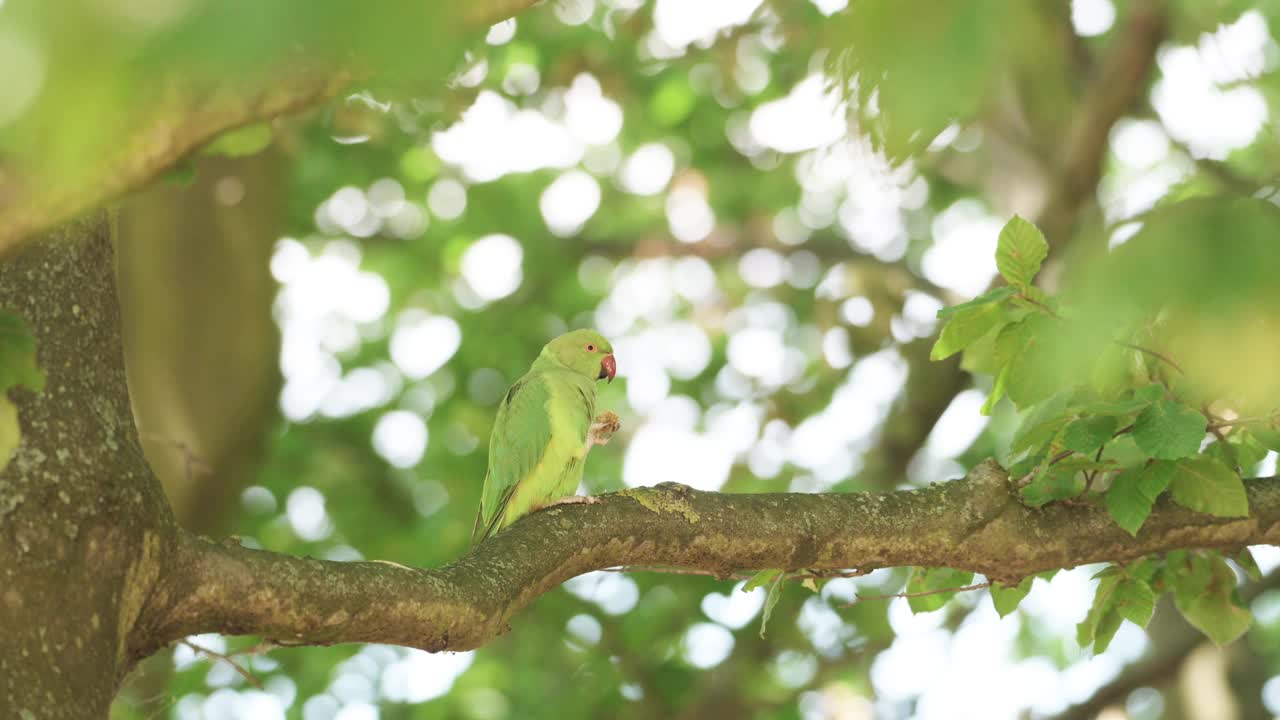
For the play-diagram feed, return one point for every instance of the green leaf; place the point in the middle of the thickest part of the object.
(983, 300)
(935, 581)
(1268, 433)
(1119, 597)
(1029, 349)
(1122, 407)
(964, 328)
(760, 579)
(997, 392)
(1041, 424)
(1206, 485)
(1020, 251)
(1204, 589)
(1050, 483)
(1007, 597)
(1169, 430)
(1086, 435)
(18, 355)
(249, 140)
(1149, 393)
(770, 600)
(1244, 558)
(9, 434)
(1133, 492)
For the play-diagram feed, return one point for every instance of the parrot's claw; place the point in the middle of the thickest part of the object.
(573, 500)
(603, 428)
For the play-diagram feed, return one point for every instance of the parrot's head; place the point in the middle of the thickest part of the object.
(584, 351)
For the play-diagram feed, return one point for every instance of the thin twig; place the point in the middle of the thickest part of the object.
(861, 598)
(1153, 353)
(248, 676)
(1240, 421)
(1037, 303)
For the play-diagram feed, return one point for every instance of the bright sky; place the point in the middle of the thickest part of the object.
(328, 305)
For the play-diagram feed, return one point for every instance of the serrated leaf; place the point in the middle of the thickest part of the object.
(760, 579)
(18, 355)
(1030, 348)
(1119, 597)
(1006, 597)
(1052, 483)
(1206, 485)
(964, 328)
(1135, 601)
(988, 298)
(1086, 435)
(770, 600)
(1133, 492)
(1204, 590)
(1020, 250)
(935, 581)
(1169, 430)
(9, 432)
(1041, 424)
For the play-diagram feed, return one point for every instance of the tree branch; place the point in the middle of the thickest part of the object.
(972, 524)
(175, 114)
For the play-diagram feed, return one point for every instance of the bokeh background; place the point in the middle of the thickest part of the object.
(763, 205)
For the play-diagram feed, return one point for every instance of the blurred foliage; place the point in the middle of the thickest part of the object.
(772, 296)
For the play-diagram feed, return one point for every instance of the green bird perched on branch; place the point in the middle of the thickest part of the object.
(544, 430)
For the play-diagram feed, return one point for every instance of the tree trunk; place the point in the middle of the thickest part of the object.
(83, 522)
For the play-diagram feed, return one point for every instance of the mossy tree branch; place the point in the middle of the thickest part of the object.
(973, 524)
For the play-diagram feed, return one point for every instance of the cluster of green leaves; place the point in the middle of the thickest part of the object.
(17, 367)
(1103, 424)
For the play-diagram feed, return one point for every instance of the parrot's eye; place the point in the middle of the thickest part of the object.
(591, 347)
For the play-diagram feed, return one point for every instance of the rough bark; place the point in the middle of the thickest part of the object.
(84, 525)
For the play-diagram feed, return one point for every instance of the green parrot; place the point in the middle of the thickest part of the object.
(544, 430)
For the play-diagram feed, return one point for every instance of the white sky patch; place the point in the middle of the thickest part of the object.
(1211, 119)
(591, 117)
(647, 170)
(960, 424)
(614, 593)
(492, 266)
(422, 343)
(447, 199)
(501, 33)
(706, 645)
(962, 256)
(420, 676)
(400, 437)
(494, 138)
(679, 23)
(736, 609)
(810, 116)
(1092, 17)
(689, 215)
(569, 201)
(307, 516)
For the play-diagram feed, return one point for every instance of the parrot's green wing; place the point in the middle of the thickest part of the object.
(520, 437)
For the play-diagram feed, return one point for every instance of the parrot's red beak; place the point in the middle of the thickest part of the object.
(608, 368)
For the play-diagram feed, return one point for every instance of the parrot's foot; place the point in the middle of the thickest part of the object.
(573, 500)
(603, 428)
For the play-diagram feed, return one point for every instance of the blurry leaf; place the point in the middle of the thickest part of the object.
(1122, 407)
(1133, 492)
(1020, 251)
(1204, 589)
(1240, 450)
(1006, 597)
(1244, 558)
(9, 431)
(1041, 424)
(760, 579)
(1267, 433)
(1169, 430)
(935, 581)
(1052, 482)
(672, 102)
(811, 584)
(983, 300)
(248, 140)
(1037, 362)
(1206, 485)
(1087, 434)
(1149, 393)
(962, 329)
(182, 174)
(770, 600)
(18, 355)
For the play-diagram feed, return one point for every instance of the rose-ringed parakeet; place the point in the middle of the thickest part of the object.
(544, 429)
